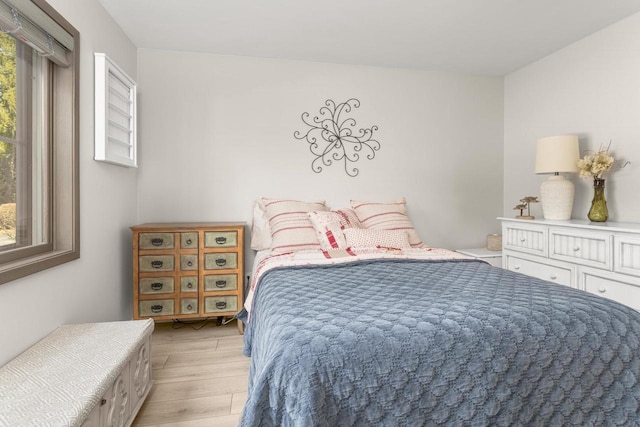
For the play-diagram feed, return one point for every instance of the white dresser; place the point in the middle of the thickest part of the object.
(603, 259)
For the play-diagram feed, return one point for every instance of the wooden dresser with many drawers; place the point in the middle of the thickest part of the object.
(188, 270)
(601, 258)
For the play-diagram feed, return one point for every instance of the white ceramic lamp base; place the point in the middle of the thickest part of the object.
(556, 195)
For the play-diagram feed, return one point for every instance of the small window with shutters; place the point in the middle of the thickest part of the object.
(115, 122)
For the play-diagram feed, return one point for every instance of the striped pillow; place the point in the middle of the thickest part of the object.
(329, 226)
(291, 228)
(387, 216)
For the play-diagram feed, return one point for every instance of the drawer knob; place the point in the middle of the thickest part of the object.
(189, 306)
(157, 241)
(517, 267)
(576, 249)
(523, 239)
(602, 289)
(189, 285)
(221, 240)
(190, 263)
(156, 286)
(221, 283)
(156, 308)
(221, 304)
(220, 262)
(189, 241)
(553, 277)
(156, 264)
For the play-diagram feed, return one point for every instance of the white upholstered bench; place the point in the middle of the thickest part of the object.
(92, 374)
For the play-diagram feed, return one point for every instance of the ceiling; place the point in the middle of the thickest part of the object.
(484, 37)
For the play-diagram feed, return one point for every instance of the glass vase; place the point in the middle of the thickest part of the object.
(598, 211)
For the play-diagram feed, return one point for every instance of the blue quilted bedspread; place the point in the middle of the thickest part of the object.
(425, 343)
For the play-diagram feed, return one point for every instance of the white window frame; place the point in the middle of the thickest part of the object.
(115, 114)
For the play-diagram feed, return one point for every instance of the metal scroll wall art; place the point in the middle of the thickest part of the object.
(334, 138)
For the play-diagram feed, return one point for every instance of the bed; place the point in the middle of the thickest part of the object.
(421, 337)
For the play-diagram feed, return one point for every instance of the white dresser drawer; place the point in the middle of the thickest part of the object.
(591, 249)
(525, 238)
(618, 287)
(562, 275)
(627, 255)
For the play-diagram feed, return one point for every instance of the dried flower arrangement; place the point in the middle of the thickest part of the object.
(594, 165)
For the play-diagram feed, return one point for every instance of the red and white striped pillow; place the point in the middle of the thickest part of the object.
(387, 216)
(291, 228)
(329, 226)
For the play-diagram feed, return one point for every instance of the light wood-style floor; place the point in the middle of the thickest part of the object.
(200, 377)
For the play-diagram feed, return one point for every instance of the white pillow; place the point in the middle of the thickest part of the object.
(291, 228)
(368, 238)
(387, 216)
(260, 231)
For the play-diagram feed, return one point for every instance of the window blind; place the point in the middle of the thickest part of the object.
(25, 21)
(115, 114)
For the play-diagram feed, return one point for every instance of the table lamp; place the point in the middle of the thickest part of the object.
(557, 154)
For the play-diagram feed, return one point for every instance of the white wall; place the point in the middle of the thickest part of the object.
(97, 286)
(216, 132)
(592, 89)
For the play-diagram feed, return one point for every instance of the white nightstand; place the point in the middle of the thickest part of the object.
(492, 257)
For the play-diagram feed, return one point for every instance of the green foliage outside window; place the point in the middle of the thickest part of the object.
(7, 133)
(7, 86)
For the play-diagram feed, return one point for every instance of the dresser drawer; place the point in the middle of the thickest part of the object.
(156, 307)
(220, 304)
(189, 262)
(220, 282)
(189, 284)
(155, 241)
(188, 305)
(627, 255)
(220, 261)
(220, 239)
(156, 285)
(189, 240)
(155, 263)
(592, 249)
(525, 238)
(618, 287)
(562, 275)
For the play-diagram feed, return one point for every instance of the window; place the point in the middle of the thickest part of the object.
(39, 224)
(23, 187)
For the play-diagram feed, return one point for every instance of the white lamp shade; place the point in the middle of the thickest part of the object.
(557, 154)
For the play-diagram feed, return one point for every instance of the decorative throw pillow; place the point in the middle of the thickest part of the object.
(329, 226)
(368, 238)
(387, 216)
(291, 228)
(260, 231)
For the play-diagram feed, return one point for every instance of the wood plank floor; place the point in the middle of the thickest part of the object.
(200, 377)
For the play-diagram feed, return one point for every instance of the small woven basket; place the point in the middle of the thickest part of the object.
(494, 242)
